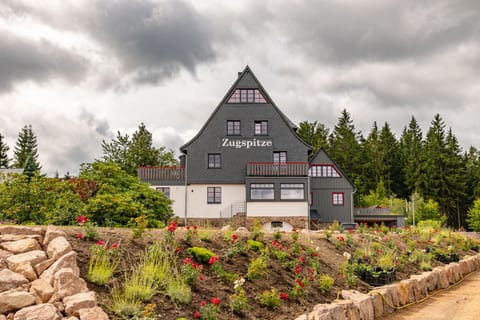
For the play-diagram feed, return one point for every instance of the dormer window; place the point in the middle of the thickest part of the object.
(247, 96)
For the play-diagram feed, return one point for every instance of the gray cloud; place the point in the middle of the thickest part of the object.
(40, 61)
(152, 41)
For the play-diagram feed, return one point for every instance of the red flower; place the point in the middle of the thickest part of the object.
(178, 249)
(195, 227)
(212, 260)
(114, 246)
(80, 236)
(234, 238)
(82, 219)
(201, 277)
(188, 227)
(196, 315)
(215, 301)
(283, 296)
(300, 283)
(315, 254)
(298, 269)
(100, 242)
(301, 259)
(203, 303)
(187, 261)
(341, 238)
(172, 227)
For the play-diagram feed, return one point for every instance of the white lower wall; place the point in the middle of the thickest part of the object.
(199, 208)
(277, 209)
(177, 195)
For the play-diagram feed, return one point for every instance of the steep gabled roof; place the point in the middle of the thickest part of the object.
(333, 161)
(246, 79)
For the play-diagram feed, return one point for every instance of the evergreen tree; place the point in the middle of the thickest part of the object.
(472, 167)
(26, 146)
(314, 134)
(456, 179)
(345, 149)
(373, 165)
(390, 155)
(411, 145)
(3, 152)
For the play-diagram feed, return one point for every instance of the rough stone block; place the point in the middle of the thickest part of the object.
(38, 312)
(58, 247)
(20, 246)
(14, 300)
(51, 234)
(42, 289)
(95, 313)
(67, 261)
(442, 281)
(350, 309)
(32, 257)
(67, 283)
(327, 312)
(11, 280)
(25, 269)
(83, 300)
(362, 301)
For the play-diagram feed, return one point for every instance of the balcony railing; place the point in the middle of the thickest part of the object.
(372, 211)
(175, 173)
(273, 169)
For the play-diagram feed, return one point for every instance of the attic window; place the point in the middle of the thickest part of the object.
(247, 96)
(323, 170)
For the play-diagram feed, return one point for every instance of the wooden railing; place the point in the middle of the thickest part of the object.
(372, 211)
(267, 169)
(161, 173)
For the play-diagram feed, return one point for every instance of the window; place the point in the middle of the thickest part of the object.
(338, 198)
(280, 157)
(214, 160)
(247, 96)
(214, 195)
(261, 128)
(323, 170)
(233, 127)
(165, 190)
(262, 191)
(291, 191)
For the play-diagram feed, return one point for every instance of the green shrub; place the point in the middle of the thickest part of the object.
(255, 245)
(258, 268)
(326, 282)
(239, 302)
(200, 254)
(124, 306)
(179, 291)
(205, 236)
(269, 299)
(280, 255)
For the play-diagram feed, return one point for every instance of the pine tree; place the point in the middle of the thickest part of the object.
(314, 134)
(26, 146)
(390, 154)
(411, 148)
(345, 149)
(3, 152)
(373, 165)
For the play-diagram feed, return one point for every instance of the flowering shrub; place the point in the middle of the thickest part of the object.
(208, 311)
(190, 270)
(190, 234)
(89, 229)
(103, 262)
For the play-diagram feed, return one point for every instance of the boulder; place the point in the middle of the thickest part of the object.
(32, 257)
(67, 261)
(11, 280)
(327, 312)
(95, 313)
(3, 258)
(25, 269)
(44, 311)
(42, 289)
(42, 266)
(22, 230)
(350, 309)
(442, 277)
(52, 234)
(20, 246)
(67, 283)
(13, 300)
(362, 301)
(58, 247)
(73, 304)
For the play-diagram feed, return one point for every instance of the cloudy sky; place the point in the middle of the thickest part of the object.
(79, 71)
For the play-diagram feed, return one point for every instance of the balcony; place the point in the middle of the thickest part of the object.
(175, 173)
(271, 169)
(372, 211)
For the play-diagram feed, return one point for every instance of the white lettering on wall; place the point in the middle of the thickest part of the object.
(246, 143)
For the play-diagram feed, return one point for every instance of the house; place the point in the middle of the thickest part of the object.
(247, 162)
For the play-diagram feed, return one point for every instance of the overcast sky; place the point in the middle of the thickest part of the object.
(79, 71)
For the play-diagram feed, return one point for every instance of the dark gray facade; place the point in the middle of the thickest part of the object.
(326, 190)
(234, 150)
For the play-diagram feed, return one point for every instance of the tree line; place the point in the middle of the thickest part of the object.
(431, 165)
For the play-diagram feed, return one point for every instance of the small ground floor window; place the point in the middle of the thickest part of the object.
(214, 195)
(338, 198)
(165, 190)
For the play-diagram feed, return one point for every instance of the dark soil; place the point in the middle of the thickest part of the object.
(278, 276)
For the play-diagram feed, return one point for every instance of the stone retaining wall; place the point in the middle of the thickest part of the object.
(361, 306)
(39, 277)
